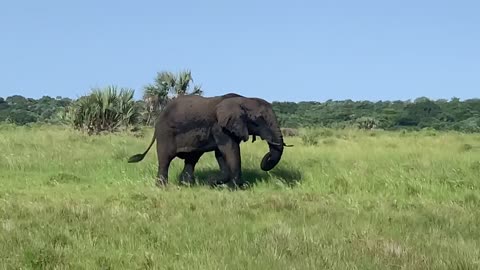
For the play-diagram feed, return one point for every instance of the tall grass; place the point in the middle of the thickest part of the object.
(355, 200)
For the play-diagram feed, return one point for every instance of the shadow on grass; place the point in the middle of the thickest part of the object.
(289, 177)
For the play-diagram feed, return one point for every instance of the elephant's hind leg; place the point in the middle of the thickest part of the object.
(162, 175)
(165, 157)
(191, 159)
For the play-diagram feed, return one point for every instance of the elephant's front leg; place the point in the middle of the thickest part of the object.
(230, 151)
(224, 170)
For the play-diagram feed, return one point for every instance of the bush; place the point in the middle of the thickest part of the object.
(469, 125)
(366, 123)
(104, 110)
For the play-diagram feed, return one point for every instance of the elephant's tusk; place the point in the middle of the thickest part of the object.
(278, 144)
(273, 143)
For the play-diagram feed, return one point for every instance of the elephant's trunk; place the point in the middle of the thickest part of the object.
(271, 159)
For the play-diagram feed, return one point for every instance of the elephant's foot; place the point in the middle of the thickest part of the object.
(238, 183)
(231, 183)
(161, 181)
(186, 179)
(218, 180)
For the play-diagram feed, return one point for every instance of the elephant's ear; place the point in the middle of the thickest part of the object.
(232, 117)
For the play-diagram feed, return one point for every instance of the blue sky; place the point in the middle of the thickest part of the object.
(277, 50)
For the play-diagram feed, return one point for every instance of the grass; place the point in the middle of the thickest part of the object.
(354, 200)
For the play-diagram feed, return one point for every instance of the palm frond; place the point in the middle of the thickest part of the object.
(105, 109)
(166, 87)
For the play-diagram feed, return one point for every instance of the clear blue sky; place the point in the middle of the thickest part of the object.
(278, 50)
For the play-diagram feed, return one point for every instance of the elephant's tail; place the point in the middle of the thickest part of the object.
(139, 157)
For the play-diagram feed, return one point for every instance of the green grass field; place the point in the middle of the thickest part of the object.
(357, 200)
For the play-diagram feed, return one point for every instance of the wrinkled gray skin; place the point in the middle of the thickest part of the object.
(191, 125)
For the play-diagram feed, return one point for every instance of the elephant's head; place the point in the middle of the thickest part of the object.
(241, 117)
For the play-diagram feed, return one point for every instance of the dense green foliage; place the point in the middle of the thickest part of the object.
(355, 200)
(418, 114)
(20, 110)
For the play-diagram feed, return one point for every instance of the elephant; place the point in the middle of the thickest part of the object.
(191, 125)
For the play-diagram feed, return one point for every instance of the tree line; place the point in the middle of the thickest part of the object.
(112, 108)
(420, 113)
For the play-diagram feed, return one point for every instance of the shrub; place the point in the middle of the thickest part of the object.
(104, 110)
(366, 123)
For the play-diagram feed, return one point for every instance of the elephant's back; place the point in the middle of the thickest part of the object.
(189, 112)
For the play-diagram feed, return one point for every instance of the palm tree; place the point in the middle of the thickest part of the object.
(167, 86)
(182, 83)
(155, 99)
